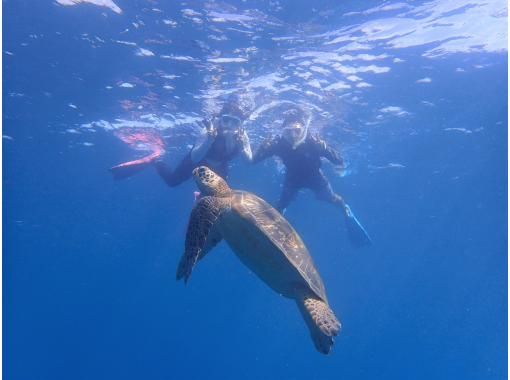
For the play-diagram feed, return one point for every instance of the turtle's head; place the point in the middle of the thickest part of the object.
(210, 183)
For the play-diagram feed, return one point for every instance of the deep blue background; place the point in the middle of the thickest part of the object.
(89, 264)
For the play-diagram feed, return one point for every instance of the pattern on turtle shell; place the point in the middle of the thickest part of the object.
(281, 233)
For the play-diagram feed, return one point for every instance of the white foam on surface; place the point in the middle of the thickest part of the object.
(168, 121)
(170, 23)
(380, 8)
(394, 110)
(391, 165)
(338, 86)
(266, 81)
(190, 12)
(170, 76)
(456, 26)
(249, 51)
(125, 42)
(354, 46)
(227, 60)
(462, 130)
(320, 70)
(141, 52)
(348, 70)
(229, 17)
(186, 58)
(353, 78)
(102, 3)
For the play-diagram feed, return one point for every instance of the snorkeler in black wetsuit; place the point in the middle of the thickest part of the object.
(301, 154)
(222, 140)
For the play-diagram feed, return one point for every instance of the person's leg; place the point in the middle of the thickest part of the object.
(289, 191)
(320, 185)
(182, 172)
(356, 233)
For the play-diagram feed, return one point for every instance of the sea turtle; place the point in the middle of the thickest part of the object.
(265, 242)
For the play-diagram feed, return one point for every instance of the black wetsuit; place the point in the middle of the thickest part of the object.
(303, 167)
(216, 159)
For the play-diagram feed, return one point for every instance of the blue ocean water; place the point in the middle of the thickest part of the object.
(413, 94)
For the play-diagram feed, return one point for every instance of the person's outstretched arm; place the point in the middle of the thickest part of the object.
(245, 146)
(329, 153)
(204, 143)
(266, 149)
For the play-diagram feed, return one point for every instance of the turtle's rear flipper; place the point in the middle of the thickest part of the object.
(321, 321)
(355, 231)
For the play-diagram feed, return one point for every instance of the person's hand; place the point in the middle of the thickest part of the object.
(208, 124)
(241, 136)
(341, 170)
(211, 133)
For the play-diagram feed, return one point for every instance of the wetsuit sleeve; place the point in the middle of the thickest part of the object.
(265, 150)
(245, 146)
(202, 145)
(327, 152)
(175, 177)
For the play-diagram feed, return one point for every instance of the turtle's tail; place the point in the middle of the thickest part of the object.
(321, 321)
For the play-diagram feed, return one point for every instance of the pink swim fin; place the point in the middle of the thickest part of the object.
(130, 168)
(141, 139)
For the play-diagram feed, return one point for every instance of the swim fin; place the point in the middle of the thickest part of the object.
(130, 168)
(355, 231)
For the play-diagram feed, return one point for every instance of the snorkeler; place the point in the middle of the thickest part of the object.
(301, 154)
(223, 139)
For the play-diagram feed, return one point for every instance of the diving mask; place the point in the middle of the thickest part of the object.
(230, 122)
(294, 134)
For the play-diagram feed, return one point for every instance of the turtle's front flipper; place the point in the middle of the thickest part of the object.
(201, 235)
(321, 321)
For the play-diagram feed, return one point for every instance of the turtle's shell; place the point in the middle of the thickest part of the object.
(281, 234)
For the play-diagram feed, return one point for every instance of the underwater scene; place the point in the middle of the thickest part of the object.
(255, 189)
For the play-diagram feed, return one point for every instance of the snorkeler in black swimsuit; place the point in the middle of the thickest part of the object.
(223, 139)
(301, 154)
